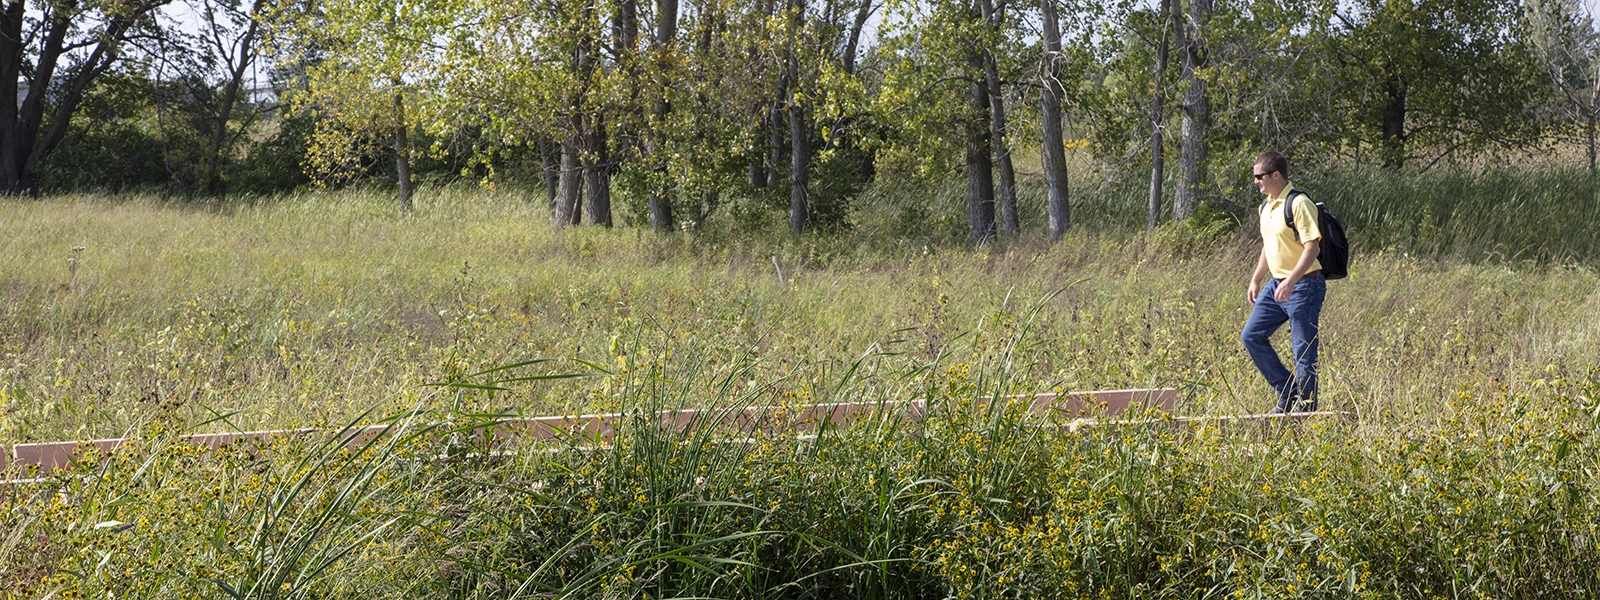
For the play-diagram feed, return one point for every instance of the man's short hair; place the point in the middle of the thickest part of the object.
(1274, 161)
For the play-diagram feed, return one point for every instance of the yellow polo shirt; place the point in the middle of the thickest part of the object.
(1278, 242)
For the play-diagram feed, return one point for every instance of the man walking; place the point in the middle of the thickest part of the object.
(1295, 291)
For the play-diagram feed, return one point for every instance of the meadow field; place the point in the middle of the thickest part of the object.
(1464, 345)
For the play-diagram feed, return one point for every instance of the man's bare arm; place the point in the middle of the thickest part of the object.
(1309, 255)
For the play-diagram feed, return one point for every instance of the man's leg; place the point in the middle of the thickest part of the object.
(1266, 318)
(1305, 315)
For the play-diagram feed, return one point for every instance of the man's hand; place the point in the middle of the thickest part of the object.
(1254, 291)
(1285, 288)
(1308, 255)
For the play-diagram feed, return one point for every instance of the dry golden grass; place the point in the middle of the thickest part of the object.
(304, 310)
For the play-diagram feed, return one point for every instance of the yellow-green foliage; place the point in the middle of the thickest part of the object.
(1467, 470)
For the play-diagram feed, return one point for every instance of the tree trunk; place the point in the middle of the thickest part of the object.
(863, 13)
(570, 185)
(402, 150)
(758, 164)
(1158, 154)
(1590, 132)
(997, 127)
(550, 162)
(707, 23)
(980, 171)
(212, 181)
(775, 127)
(12, 50)
(1196, 114)
(661, 213)
(1002, 151)
(22, 140)
(625, 27)
(1394, 124)
(625, 53)
(666, 34)
(597, 175)
(1052, 152)
(799, 165)
(666, 22)
(799, 129)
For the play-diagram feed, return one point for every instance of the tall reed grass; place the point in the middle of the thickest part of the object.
(1496, 216)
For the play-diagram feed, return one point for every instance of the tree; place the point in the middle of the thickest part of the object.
(822, 98)
(1437, 76)
(980, 169)
(799, 119)
(369, 64)
(231, 33)
(1052, 150)
(666, 38)
(935, 91)
(197, 69)
(76, 42)
(1158, 113)
(1563, 35)
(1287, 43)
(549, 78)
(994, 21)
(578, 26)
(1196, 110)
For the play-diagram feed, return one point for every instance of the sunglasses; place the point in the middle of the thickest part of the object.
(1258, 176)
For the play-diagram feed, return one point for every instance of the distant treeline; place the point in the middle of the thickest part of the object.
(678, 108)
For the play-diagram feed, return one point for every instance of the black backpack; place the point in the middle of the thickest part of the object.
(1335, 251)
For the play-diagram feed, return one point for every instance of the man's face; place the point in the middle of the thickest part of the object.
(1269, 182)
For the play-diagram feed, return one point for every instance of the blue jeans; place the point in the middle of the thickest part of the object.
(1297, 391)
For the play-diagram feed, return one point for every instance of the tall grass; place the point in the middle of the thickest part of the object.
(336, 302)
(1495, 216)
(1467, 470)
(1494, 499)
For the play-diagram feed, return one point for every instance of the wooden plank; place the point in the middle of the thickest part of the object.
(49, 456)
(592, 426)
(1107, 402)
(220, 440)
(1264, 422)
(1258, 423)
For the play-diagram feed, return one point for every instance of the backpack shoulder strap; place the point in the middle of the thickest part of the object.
(1288, 210)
